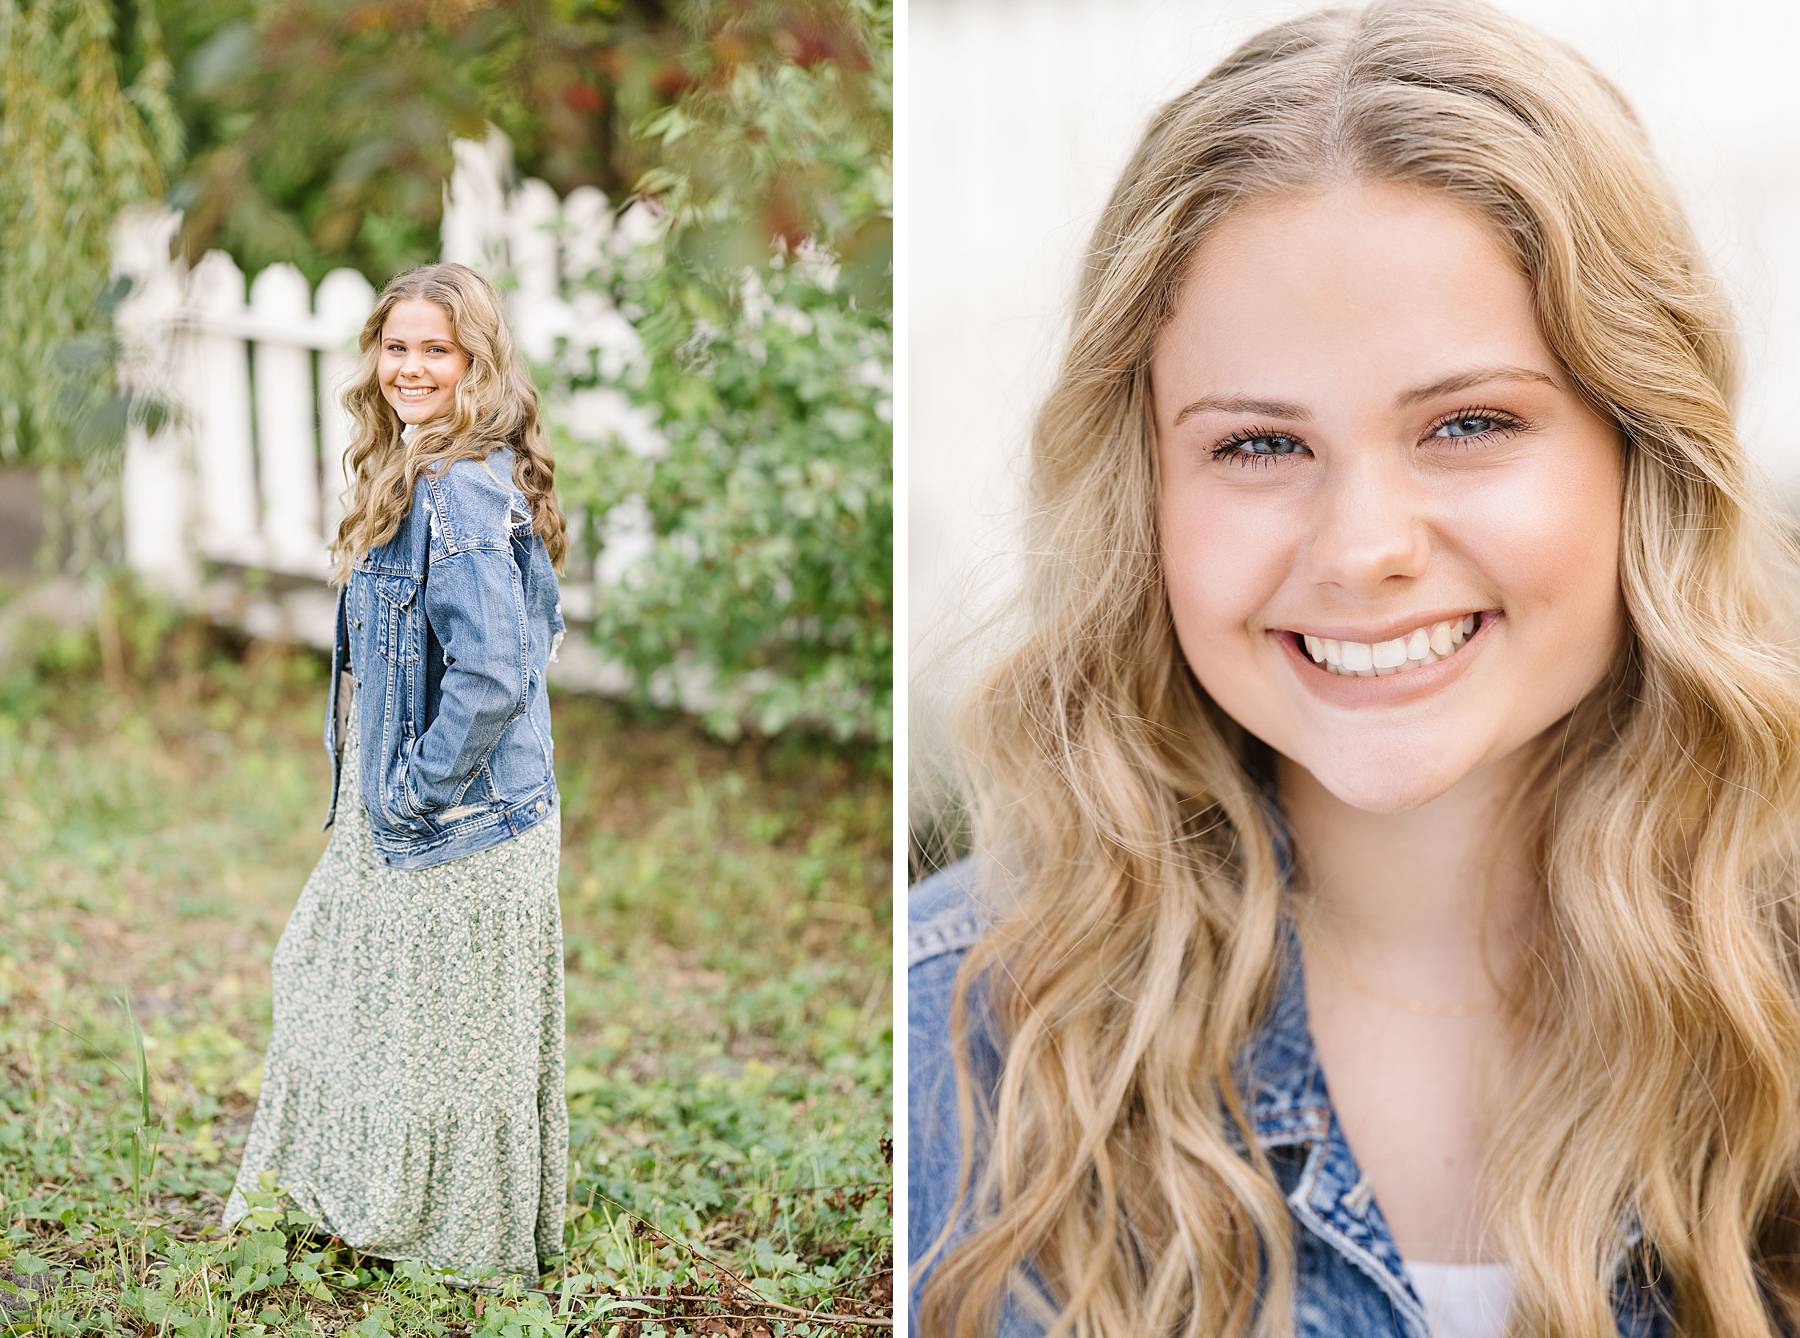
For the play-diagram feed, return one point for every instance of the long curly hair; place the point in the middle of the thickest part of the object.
(1118, 818)
(494, 403)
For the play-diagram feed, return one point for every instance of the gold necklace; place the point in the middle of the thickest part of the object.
(1422, 1007)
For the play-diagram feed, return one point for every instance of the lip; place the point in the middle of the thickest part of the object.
(1391, 631)
(1395, 689)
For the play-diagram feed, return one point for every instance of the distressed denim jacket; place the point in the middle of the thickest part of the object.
(1351, 1280)
(447, 628)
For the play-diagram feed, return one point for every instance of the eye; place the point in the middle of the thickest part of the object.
(1482, 425)
(1228, 449)
(1478, 425)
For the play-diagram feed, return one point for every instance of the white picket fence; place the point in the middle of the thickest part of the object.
(227, 508)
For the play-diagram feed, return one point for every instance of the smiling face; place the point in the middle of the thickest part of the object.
(417, 351)
(1361, 432)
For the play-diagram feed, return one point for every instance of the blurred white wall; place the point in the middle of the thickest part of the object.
(1022, 112)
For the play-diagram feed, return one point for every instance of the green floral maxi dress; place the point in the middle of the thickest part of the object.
(412, 1094)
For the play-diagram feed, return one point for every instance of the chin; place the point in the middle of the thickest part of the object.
(1374, 784)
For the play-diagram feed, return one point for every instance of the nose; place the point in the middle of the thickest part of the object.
(1372, 519)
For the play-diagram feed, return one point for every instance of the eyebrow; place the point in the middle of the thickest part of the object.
(396, 339)
(1445, 385)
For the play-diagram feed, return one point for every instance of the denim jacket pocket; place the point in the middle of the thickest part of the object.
(395, 637)
(404, 795)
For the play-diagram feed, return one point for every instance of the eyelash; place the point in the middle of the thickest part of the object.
(435, 347)
(1505, 426)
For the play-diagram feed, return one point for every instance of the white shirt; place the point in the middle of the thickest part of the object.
(1463, 1300)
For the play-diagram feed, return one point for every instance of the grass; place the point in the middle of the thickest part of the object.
(726, 925)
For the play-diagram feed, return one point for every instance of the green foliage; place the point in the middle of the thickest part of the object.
(771, 495)
(771, 499)
(320, 129)
(794, 150)
(317, 128)
(77, 144)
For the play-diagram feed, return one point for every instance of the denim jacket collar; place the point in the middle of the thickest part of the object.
(1281, 1076)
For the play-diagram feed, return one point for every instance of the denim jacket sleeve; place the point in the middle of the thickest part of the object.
(474, 603)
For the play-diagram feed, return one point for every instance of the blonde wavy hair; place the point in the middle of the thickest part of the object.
(1117, 811)
(494, 403)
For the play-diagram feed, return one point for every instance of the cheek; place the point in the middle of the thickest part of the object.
(1221, 565)
(1550, 538)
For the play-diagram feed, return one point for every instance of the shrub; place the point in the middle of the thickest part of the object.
(768, 489)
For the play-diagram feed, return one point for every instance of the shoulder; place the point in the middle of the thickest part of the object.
(944, 914)
(490, 474)
(472, 498)
(945, 918)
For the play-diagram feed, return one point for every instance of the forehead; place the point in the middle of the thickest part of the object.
(1337, 294)
(416, 319)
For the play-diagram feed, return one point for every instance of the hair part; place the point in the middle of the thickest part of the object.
(1115, 809)
(494, 403)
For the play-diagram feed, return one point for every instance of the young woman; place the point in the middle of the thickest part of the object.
(1382, 915)
(412, 1096)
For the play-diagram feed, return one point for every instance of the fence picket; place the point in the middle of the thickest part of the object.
(155, 494)
(230, 520)
(344, 302)
(286, 442)
(537, 306)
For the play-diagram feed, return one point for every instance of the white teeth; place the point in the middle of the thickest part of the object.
(1420, 647)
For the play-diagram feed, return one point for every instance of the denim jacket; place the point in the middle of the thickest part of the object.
(1350, 1280)
(447, 628)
